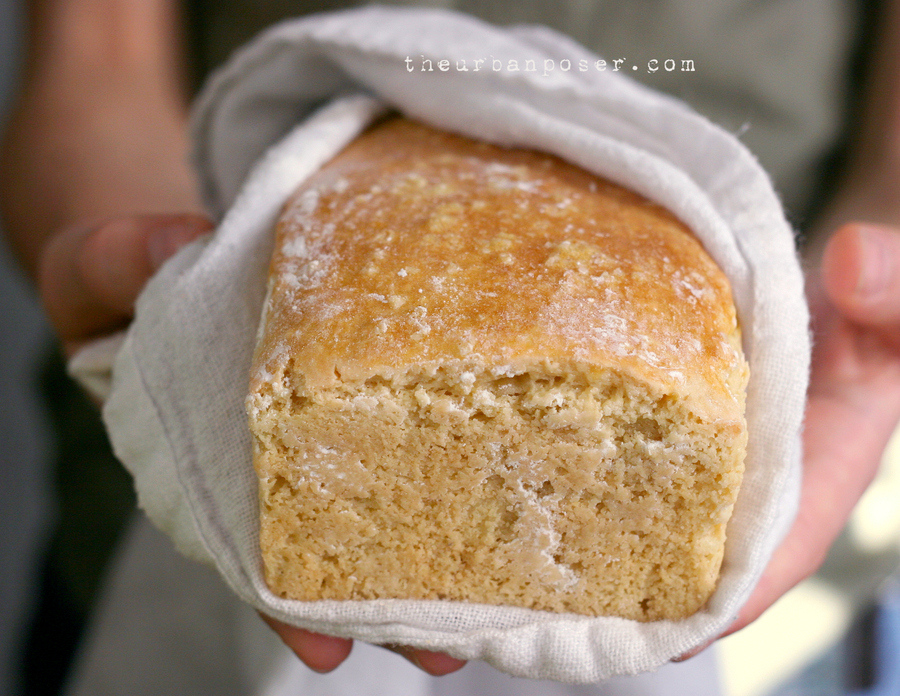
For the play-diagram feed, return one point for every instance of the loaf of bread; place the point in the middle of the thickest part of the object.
(486, 375)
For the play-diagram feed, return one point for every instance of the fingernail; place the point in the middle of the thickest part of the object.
(166, 241)
(876, 264)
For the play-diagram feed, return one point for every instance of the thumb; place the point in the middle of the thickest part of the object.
(91, 275)
(861, 274)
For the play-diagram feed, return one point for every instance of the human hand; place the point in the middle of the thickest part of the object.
(854, 398)
(853, 402)
(325, 653)
(89, 278)
(99, 128)
(90, 274)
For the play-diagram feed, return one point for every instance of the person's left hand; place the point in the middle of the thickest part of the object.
(854, 398)
(853, 403)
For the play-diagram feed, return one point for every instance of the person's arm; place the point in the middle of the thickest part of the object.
(98, 129)
(96, 190)
(95, 138)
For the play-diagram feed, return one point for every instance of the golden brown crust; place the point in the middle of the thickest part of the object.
(408, 247)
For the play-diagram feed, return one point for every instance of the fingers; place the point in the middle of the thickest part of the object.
(434, 663)
(861, 273)
(91, 275)
(318, 652)
(323, 653)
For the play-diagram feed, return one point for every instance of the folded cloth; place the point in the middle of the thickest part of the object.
(175, 408)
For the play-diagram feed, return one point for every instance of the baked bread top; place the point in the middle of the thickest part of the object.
(416, 247)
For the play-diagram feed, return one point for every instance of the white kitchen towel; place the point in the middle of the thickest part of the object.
(280, 109)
